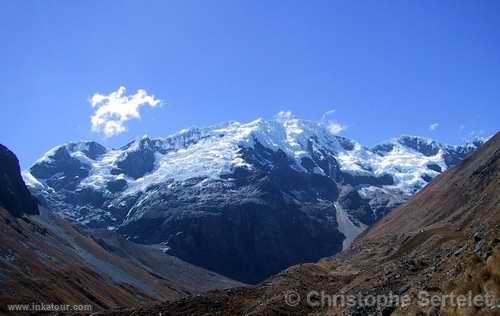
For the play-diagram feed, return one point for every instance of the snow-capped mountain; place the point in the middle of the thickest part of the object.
(245, 200)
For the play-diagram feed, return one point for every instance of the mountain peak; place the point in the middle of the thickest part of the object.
(89, 149)
(426, 146)
(217, 150)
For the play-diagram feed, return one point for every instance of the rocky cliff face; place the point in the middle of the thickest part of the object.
(14, 195)
(245, 200)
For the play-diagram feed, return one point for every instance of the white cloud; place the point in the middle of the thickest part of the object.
(327, 113)
(335, 127)
(433, 126)
(477, 134)
(114, 110)
(284, 116)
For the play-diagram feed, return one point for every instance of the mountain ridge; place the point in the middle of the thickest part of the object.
(138, 167)
(244, 186)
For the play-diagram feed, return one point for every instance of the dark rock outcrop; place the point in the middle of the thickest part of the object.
(139, 161)
(62, 171)
(14, 195)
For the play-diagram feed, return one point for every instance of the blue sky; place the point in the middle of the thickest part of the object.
(386, 67)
